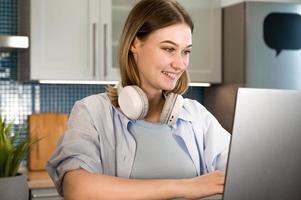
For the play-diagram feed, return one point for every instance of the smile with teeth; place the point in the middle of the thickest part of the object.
(170, 75)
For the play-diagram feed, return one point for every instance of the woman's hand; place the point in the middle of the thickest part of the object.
(203, 186)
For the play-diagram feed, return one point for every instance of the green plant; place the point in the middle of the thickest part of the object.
(12, 152)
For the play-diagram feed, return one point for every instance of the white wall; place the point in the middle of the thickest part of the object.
(230, 2)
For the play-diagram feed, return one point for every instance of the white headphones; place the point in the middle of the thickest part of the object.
(133, 103)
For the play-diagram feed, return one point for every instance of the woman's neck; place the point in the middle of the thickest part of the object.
(156, 103)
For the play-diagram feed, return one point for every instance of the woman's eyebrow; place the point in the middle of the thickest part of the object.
(173, 43)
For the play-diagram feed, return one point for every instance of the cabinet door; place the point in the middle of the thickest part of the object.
(60, 40)
(205, 59)
(112, 18)
(104, 42)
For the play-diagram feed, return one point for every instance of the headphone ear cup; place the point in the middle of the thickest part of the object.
(171, 109)
(133, 102)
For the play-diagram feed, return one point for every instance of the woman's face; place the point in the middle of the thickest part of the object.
(162, 57)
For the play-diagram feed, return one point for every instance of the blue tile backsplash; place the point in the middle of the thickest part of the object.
(8, 26)
(18, 100)
(8, 17)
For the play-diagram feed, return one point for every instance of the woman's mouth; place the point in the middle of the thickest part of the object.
(170, 75)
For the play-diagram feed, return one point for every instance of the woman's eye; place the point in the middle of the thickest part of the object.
(169, 50)
(187, 52)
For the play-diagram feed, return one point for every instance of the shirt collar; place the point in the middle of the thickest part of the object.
(186, 115)
(123, 117)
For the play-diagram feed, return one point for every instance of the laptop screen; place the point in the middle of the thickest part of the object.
(265, 152)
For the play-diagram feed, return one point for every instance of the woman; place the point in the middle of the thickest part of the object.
(142, 140)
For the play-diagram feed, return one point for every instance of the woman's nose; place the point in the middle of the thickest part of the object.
(179, 62)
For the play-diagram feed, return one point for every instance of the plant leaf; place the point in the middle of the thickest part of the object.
(11, 151)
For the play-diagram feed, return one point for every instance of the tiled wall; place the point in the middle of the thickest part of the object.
(18, 100)
(8, 16)
(8, 25)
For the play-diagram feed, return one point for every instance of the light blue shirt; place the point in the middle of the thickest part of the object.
(159, 153)
(97, 139)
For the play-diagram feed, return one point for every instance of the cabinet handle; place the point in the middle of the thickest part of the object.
(94, 56)
(105, 53)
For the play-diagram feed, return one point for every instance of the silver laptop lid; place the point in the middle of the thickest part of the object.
(265, 154)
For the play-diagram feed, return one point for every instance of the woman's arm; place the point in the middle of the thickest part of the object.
(80, 184)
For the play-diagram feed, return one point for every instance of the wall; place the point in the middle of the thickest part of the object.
(18, 100)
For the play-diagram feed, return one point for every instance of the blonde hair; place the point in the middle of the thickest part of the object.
(146, 17)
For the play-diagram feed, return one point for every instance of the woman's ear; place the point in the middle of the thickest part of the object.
(135, 45)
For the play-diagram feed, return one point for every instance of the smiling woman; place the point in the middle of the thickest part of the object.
(142, 139)
(171, 44)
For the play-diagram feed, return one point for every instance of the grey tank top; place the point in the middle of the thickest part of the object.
(159, 153)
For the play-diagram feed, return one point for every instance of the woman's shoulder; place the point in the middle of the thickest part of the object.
(193, 105)
(195, 111)
(96, 99)
(96, 103)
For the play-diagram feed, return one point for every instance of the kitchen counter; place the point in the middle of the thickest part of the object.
(39, 179)
(41, 186)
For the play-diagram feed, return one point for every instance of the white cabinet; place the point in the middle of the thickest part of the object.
(71, 40)
(78, 39)
(119, 12)
(205, 59)
(60, 40)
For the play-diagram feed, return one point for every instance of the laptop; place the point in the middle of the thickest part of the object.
(264, 160)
